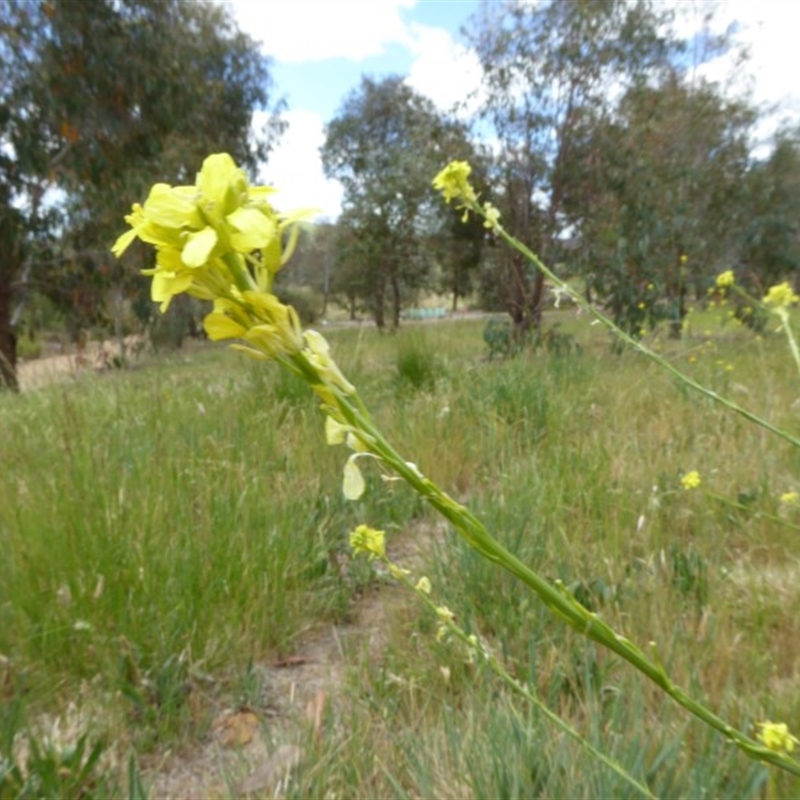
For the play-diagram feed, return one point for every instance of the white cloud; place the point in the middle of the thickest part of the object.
(768, 32)
(444, 70)
(294, 31)
(295, 167)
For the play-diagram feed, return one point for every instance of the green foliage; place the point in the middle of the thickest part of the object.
(503, 340)
(663, 199)
(384, 145)
(417, 365)
(225, 540)
(305, 301)
(546, 71)
(49, 771)
(28, 348)
(102, 96)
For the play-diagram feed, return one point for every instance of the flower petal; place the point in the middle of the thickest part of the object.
(353, 483)
(254, 230)
(220, 326)
(199, 247)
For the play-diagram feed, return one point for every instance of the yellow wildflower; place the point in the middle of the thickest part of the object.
(781, 296)
(776, 736)
(725, 279)
(691, 480)
(368, 540)
(453, 182)
(423, 585)
(492, 216)
(789, 498)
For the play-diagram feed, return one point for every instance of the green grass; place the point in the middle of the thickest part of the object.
(161, 529)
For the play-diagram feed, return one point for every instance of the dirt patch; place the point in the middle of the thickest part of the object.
(68, 366)
(241, 758)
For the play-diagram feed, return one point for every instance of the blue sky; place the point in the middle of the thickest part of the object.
(321, 48)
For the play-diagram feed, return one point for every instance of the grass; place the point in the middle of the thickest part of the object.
(164, 528)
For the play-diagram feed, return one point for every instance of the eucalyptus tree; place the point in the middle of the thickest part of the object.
(547, 66)
(662, 200)
(771, 246)
(117, 91)
(384, 146)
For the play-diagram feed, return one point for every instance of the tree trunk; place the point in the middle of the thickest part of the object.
(378, 311)
(8, 340)
(395, 302)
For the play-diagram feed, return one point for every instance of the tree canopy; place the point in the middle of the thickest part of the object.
(384, 145)
(100, 98)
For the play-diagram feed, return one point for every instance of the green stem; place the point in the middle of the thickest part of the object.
(787, 329)
(521, 688)
(639, 346)
(555, 597)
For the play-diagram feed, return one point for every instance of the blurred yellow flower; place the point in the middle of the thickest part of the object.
(423, 585)
(776, 736)
(781, 295)
(691, 480)
(725, 279)
(368, 540)
(789, 498)
(492, 216)
(453, 182)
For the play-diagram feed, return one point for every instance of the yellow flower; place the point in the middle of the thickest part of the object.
(789, 498)
(453, 182)
(423, 585)
(691, 480)
(368, 540)
(725, 279)
(781, 296)
(445, 614)
(776, 736)
(492, 216)
(203, 232)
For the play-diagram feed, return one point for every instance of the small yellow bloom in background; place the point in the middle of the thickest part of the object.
(642, 306)
(725, 279)
(453, 182)
(684, 259)
(776, 736)
(692, 359)
(492, 216)
(781, 296)
(368, 540)
(789, 498)
(423, 585)
(691, 480)
(445, 614)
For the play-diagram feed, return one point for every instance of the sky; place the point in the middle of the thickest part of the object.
(321, 48)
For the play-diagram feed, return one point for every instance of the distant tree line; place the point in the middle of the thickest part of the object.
(608, 157)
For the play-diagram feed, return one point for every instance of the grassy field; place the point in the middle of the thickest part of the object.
(166, 530)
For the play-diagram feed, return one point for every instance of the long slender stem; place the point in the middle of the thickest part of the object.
(642, 348)
(555, 597)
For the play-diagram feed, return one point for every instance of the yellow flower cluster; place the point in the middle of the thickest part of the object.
(221, 240)
(781, 296)
(725, 279)
(691, 480)
(367, 540)
(453, 183)
(776, 736)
